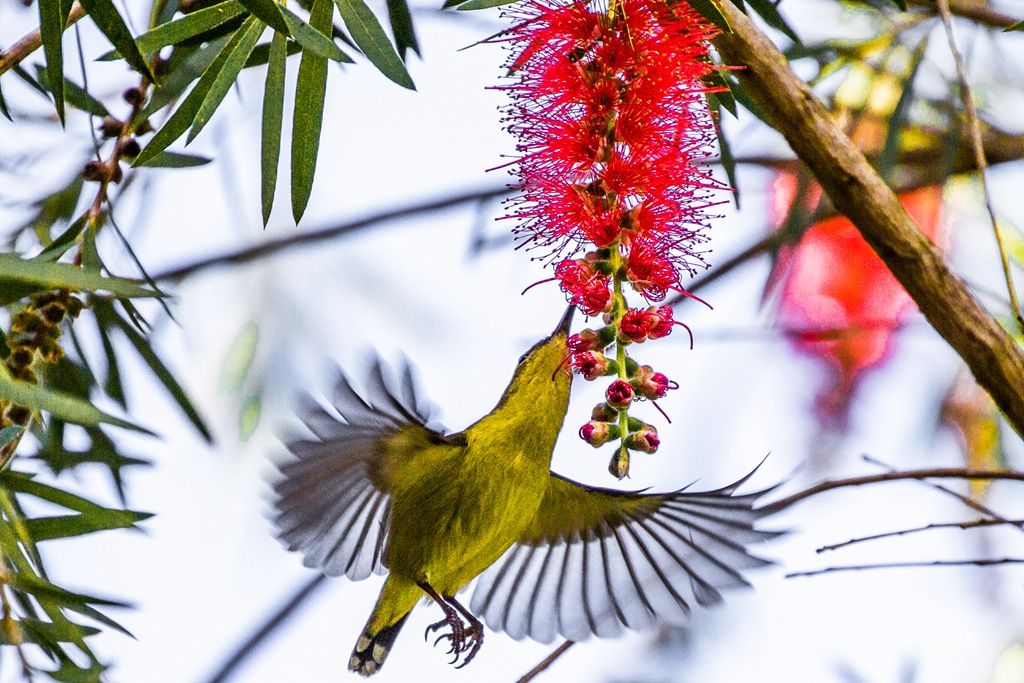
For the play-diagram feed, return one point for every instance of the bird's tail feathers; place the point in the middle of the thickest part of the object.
(372, 649)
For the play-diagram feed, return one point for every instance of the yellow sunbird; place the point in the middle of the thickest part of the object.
(376, 489)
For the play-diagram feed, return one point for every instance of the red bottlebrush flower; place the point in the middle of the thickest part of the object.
(635, 325)
(586, 288)
(592, 365)
(619, 394)
(840, 296)
(590, 340)
(613, 126)
(663, 321)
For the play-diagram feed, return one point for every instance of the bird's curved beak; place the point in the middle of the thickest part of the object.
(566, 322)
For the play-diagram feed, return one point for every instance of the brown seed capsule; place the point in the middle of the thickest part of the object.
(111, 127)
(134, 96)
(96, 170)
(130, 148)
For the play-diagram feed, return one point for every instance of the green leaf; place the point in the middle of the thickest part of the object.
(7, 434)
(889, 157)
(273, 118)
(270, 12)
(370, 37)
(39, 274)
(311, 39)
(709, 10)
(177, 160)
(238, 361)
(66, 407)
(67, 526)
(143, 348)
(770, 14)
(400, 19)
(483, 4)
(261, 55)
(73, 94)
(1016, 26)
(38, 630)
(186, 112)
(250, 34)
(181, 77)
(728, 161)
(3, 106)
(51, 30)
(64, 241)
(189, 26)
(307, 121)
(249, 417)
(112, 25)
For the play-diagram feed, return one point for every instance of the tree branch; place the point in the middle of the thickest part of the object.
(30, 43)
(932, 473)
(858, 192)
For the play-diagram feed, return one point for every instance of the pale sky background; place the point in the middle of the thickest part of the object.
(208, 571)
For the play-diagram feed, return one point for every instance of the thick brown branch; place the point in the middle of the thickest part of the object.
(30, 43)
(857, 191)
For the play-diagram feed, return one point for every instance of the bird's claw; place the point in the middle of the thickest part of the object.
(463, 638)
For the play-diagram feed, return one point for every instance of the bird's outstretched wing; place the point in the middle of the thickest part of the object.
(332, 501)
(597, 560)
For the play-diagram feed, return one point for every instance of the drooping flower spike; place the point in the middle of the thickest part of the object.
(610, 113)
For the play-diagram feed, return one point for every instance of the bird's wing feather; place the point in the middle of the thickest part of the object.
(595, 561)
(332, 498)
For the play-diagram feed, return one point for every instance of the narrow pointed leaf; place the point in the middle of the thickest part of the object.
(250, 33)
(7, 434)
(74, 94)
(482, 4)
(64, 241)
(770, 13)
(270, 12)
(401, 26)
(889, 157)
(311, 39)
(1016, 26)
(67, 526)
(261, 55)
(307, 120)
(186, 112)
(189, 26)
(165, 376)
(41, 274)
(273, 116)
(51, 30)
(709, 10)
(181, 77)
(113, 27)
(370, 37)
(177, 160)
(66, 407)
(3, 106)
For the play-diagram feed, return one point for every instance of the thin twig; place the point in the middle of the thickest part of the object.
(974, 524)
(903, 565)
(974, 127)
(31, 42)
(978, 12)
(548, 661)
(306, 239)
(932, 473)
(271, 624)
(966, 500)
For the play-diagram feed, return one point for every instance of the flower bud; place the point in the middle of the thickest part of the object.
(651, 385)
(619, 394)
(604, 413)
(646, 440)
(598, 433)
(619, 465)
(590, 340)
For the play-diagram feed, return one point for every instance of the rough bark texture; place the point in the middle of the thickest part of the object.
(857, 191)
